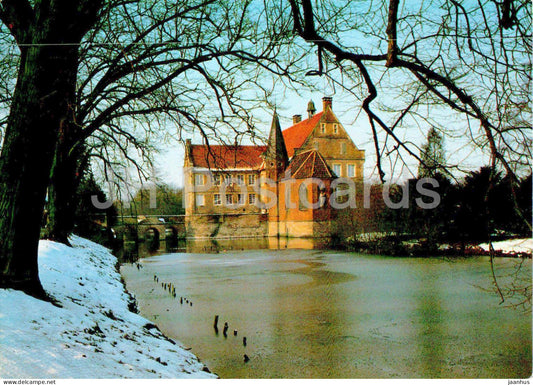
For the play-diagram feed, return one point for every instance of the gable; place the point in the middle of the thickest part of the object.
(331, 144)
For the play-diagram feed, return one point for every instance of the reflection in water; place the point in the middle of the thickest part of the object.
(432, 351)
(323, 314)
(315, 331)
(153, 245)
(319, 276)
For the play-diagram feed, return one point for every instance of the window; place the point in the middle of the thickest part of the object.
(251, 179)
(216, 179)
(337, 169)
(335, 129)
(341, 193)
(322, 197)
(323, 128)
(240, 199)
(240, 179)
(229, 199)
(199, 179)
(251, 199)
(302, 197)
(200, 200)
(216, 200)
(343, 148)
(227, 179)
(351, 171)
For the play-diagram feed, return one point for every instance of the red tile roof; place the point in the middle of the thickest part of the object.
(296, 135)
(226, 157)
(309, 164)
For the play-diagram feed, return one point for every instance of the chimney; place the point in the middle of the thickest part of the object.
(296, 119)
(188, 149)
(327, 102)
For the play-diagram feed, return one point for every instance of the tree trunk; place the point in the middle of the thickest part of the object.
(62, 192)
(40, 106)
(49, 34)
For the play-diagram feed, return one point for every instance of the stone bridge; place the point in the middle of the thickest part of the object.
(150, 228)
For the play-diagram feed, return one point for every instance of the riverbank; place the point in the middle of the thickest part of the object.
(393, 245)
(94, 334)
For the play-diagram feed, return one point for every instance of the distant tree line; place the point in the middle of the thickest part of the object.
(474, 209)
(160, 199)
(482, 206)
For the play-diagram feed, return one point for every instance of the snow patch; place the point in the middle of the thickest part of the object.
(521, 245)
(93, 335)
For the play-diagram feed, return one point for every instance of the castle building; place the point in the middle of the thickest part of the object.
(281, 189)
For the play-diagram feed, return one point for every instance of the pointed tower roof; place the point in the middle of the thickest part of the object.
(276, 149)
(310, 109)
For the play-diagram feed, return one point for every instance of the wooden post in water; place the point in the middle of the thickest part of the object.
(244, 341)
(225, 331)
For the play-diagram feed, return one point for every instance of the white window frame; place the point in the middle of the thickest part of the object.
(229, 199)
(339, 166)
(251, 179)
(216, 179)
(240, 179)
(240, 199)
(335, 129)
(252, 199)
(323, 128)
(343, 148)
(217, 200)
(200, 200)
(199, 179)
(351, 166)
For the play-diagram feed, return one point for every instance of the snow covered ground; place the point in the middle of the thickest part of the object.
(93, 335)
(522, 245)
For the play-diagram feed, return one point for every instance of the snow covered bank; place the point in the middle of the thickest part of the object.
(93, 335)
(511, 246)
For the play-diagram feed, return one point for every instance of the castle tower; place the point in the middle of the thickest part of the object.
(276, 161)
(275, 156)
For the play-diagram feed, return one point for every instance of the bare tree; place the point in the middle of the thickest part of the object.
(151, 64)
(469, 59)
(127, 68)
(472, 58)
(47, 34)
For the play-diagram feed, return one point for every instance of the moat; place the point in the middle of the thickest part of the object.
(329, 314)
